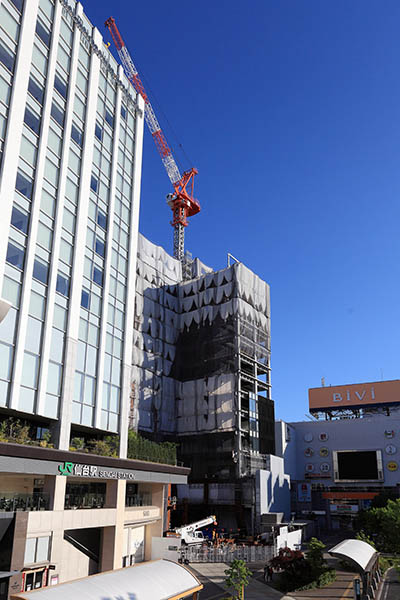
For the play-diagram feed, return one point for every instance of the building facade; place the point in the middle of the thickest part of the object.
(202, 379)
(65, 515)
(338, 466)
(72, 131)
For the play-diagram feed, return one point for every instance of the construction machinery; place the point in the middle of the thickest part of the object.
(181, 201)
(189, 534)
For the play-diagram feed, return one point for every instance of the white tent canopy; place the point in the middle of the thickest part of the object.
(356, 551)
(155, 580)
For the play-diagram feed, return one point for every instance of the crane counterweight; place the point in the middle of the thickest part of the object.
(181, 202)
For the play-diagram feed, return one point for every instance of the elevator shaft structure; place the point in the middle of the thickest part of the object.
(181, 201)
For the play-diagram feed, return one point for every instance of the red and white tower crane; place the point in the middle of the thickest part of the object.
(181, 201)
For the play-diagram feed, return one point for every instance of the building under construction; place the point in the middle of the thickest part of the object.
(201, 378)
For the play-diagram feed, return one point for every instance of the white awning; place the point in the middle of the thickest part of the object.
(158, 580)
(354, 550)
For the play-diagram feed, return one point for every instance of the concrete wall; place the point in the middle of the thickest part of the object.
(75, 563)
(273, 488)
(289, 539)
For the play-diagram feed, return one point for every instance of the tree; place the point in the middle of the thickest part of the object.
(383, 526)
(363, 537)
(315, 554)
(237, 577)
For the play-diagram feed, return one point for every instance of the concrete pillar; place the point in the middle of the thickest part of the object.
(55, 486)
(113, 536)
(150, 531)
(18, 550)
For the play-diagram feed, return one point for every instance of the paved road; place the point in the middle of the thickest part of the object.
(391, 586)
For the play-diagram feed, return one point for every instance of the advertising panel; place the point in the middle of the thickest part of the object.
(356, 394)
(304, 492)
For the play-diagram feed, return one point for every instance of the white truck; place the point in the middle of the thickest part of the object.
(189, 534)
(174, 544)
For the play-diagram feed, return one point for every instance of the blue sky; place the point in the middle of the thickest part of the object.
(290, 111)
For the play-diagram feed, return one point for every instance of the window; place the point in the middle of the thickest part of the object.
(57, 114)
(102, 220)
(98, 132)
(24, 185)
(40, 271)
(85, 299)
(99, 247)
(94, 183)
(20, 219)
(76, 135)
(42, 33)
(5, 93)
(15, 255)
(97, 276)
(35, 90)
(11, 290)
(7, 58)
(18, 4)
(44, 236)
(109, 118)
(6, 356)
(37, 550)
(30, 370)
(28, 151)
(123, 112)
(62, 285)
(60, 86)
(32, 120)
(33, 335)
(54, 378)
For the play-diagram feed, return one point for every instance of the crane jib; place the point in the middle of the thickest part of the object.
(182, 202)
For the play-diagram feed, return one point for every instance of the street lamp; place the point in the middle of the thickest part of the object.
(4, 308)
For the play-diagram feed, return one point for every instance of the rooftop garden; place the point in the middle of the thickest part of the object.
(19, 431)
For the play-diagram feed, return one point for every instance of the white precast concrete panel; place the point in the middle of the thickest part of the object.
(158, 580)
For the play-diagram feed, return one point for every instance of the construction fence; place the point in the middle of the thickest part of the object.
(227, 554)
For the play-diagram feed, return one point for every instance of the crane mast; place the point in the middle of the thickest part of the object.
(181, 201)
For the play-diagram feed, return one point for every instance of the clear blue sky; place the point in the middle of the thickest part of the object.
(290, 109)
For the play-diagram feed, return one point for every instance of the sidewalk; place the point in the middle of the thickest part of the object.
(214, 573)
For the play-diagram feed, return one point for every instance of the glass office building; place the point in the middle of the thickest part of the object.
(71, 129)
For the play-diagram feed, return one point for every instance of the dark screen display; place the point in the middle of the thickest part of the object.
(358, 465)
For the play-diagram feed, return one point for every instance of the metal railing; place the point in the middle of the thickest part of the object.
(228, 554)
(13, 501)
(74, 501)
(140, 499)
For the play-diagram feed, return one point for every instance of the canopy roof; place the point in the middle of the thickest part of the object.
(158, 580)
(356, 551)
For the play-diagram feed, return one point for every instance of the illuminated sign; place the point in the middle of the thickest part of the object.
(79, 470)
(357, 394)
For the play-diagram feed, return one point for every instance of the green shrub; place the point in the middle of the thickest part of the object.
(303, 573)
(78, 443)
(143, 449)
